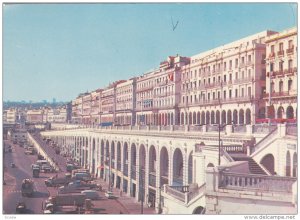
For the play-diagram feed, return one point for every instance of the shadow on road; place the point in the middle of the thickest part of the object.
(40, 195)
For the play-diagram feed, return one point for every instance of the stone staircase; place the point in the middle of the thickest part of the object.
(253, 166)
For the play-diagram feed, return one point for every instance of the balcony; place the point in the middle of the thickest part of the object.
(271, 55)
(280, 53)
(290, 50)
(243, 80)
(256, 182)
(276, 94)
(143, 89)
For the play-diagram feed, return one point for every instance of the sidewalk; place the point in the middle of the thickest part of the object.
(127, 202)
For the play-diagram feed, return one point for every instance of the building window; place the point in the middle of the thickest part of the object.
(291, 44)
(236, 62)
(290, 83)
(208, 96)
(281, 47)
(230, 64)
(242, 95)
(236, 93)
(230, 93)
(224, 65)
(214, 96)
(272, 87)
(249, 58)
(290, 64)
(281, 66)
(272, 48)
(243, 60)
(280, 86)
(249, 91)
(218, 94)
(236, 75)
(224, 95)
(224, 78)
(230, 77)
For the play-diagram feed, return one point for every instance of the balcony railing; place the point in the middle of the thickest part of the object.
(243, 80)
(292, 130)
(175, 193)
(290, 50)
(272, 55)
(256, 182)
(276, 94)
(234, 148)
(239, 129)
(280, 53)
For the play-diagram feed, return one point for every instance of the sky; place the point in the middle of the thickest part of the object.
(61, 50)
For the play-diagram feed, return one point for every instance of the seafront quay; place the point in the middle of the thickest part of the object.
(166, 166)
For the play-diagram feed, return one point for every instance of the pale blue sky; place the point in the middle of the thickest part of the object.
(61, 50)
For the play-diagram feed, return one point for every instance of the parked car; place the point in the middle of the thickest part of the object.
(109, 195)
(90, 194)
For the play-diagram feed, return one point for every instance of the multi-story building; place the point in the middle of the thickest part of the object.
(107, 106)
(95, 107)
(281, 81)
(11, 115)
(86, 108)
(77, 109)
(225, 84)
(144, 98)
(125, 102)
(35, 116)
(58, 115)
(166, 91)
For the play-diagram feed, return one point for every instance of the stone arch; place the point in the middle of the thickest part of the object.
(198, 118)
(223, 117)
(288, 164)
(190, 118)
(202, 117)
(119, 156)
(142, 157)
(269, 163)
(152, 159)
(133, 154)
(207, 117)
(190, 168)
(212, 117)
(186, 119)
(271, 112)
(229, 117)
(262, 113)
(248, 116)
(280, 112)
(177, 167)
(199, 210)
(125, 159)
(164, 166)
(235, 116)
(290, 112)
(295, 164)
(241, 116)
(194, 118)
(93, 153)
(217, 117)
(210, 165)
